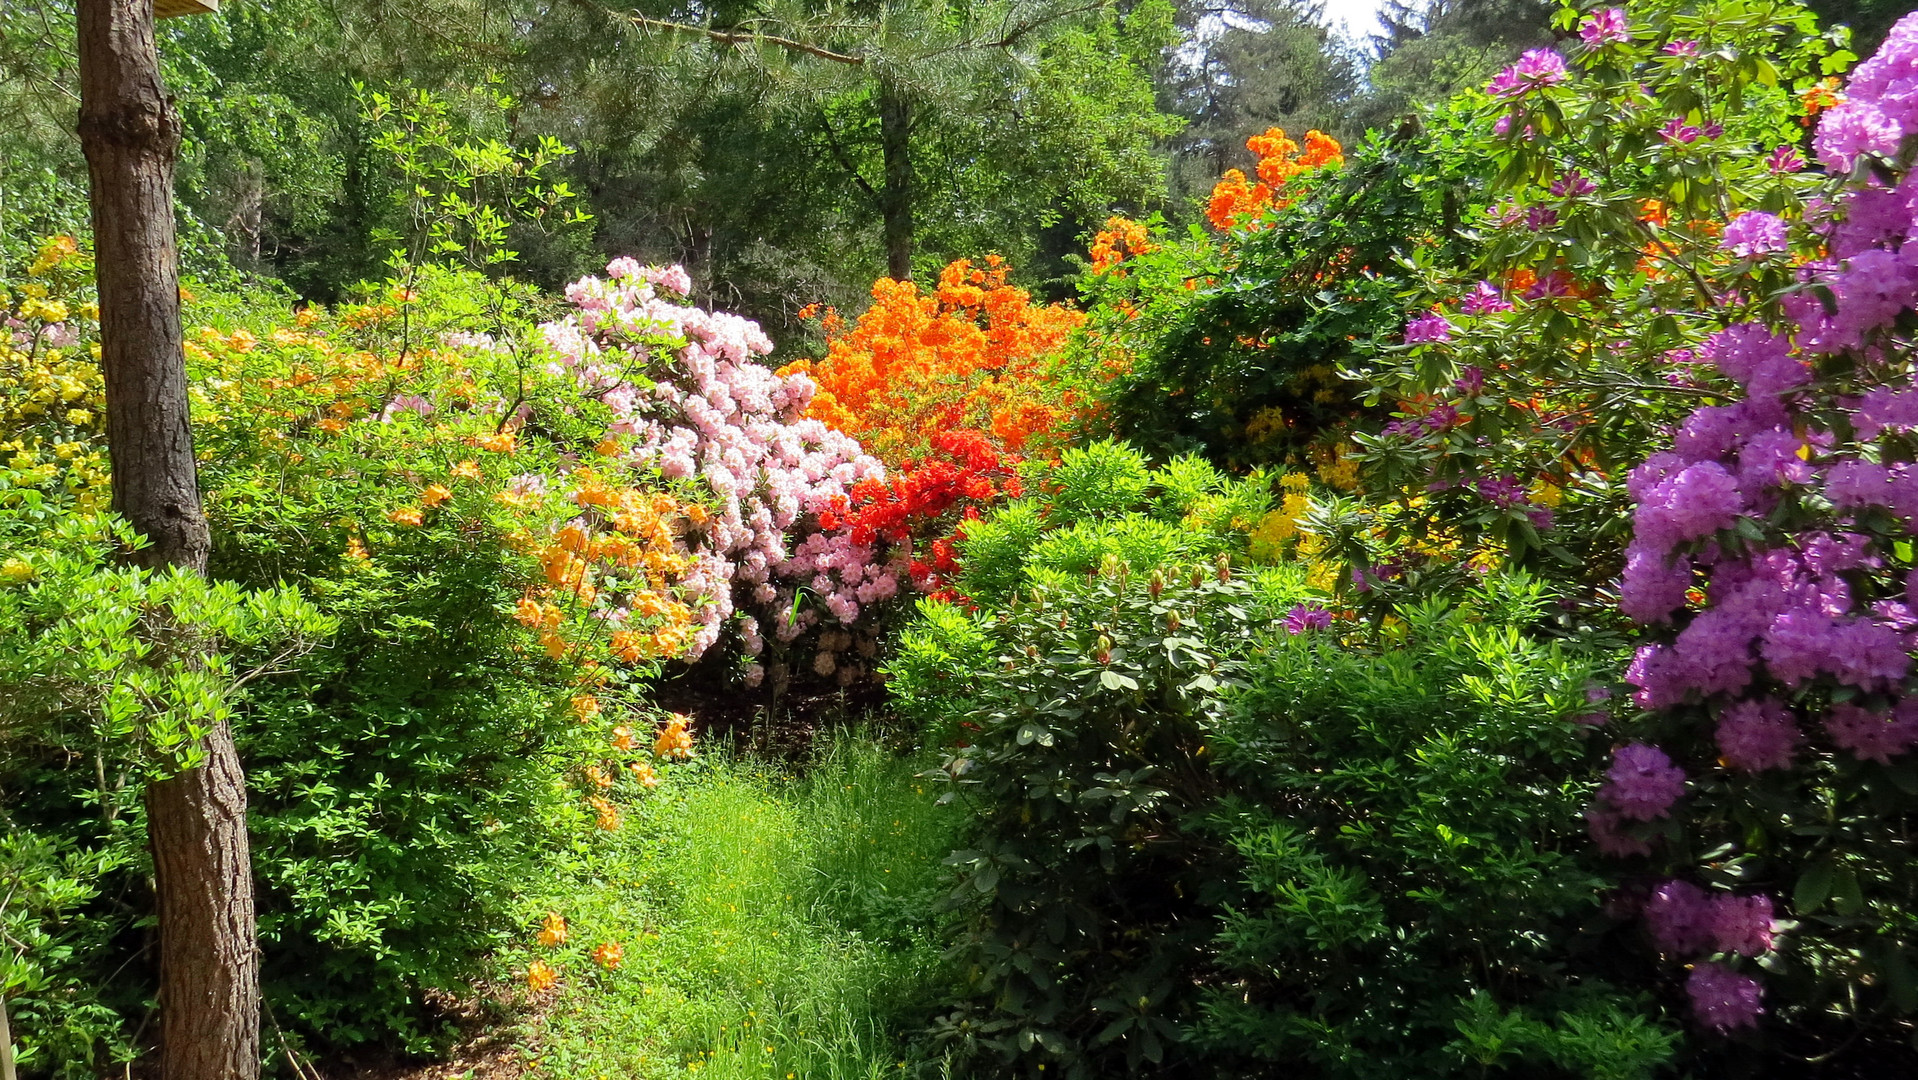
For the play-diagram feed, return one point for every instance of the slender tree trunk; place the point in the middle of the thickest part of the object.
(196, 821)
(131, 133)
(6, 1043)
(209, 969)
(895, 197)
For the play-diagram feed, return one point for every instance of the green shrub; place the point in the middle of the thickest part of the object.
(1104, 502)
(1082, 898)
(1221, 831)
(1415, 896)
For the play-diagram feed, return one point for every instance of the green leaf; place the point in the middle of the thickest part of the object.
(1814, 886)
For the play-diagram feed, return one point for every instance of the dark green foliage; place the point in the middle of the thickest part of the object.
(1084, 927)
(1241, 347)
(1413, 898)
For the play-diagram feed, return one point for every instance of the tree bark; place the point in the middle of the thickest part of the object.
(130, 132)
(896, 194)
(196, 821)
(209, 968)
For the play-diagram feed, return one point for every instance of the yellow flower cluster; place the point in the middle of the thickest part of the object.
(52, 398)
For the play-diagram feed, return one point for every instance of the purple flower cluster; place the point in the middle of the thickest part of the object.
(1537, 69)
(1642, 783)
(1439, 419)
(1305, 617)
(1880, 106)
(1763, 536)
(1429, 327)
(1685, 920)
(1572, 184)
(1754, 234)
(1758, 734)
(1485, 299)
(1723, 999)
(1604, 27)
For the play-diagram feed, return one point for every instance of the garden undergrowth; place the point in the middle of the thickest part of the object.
(745, 921)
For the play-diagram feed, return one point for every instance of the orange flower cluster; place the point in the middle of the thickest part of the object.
(969, 355)
(1237, 201)
(674, 740)
(1121, 239)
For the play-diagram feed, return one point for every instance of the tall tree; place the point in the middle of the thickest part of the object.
(1246, 66)
(885, 85)
(196, 820)
(1425, 51)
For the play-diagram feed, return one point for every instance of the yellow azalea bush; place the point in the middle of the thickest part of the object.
(503, 587)
(52, 398)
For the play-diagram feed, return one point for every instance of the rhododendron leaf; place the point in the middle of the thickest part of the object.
(1846, 897)
(1896, 971)
(1112, 680)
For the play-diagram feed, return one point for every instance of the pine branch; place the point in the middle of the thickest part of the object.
(729, 37)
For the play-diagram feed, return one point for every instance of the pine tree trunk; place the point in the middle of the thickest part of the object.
(130, 132)
(196, 822)
(895, 199)
(209, 969)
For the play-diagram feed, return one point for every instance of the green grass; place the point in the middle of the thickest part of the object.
(772, 927)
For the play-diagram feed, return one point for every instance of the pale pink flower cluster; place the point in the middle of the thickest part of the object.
(706, 411)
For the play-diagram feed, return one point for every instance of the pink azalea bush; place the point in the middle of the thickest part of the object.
(708, 414)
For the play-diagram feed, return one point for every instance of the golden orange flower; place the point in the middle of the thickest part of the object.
(502, 443)
(598, 778)
(552, 932)
(623, 739)
(609, 955)
(332, 425)
(527, 611)
(434, 495)
(644, 773)
(467, 470)
(585, 706)
(608, 814)
(674, 740)
(355, 549)
(540, 976)
(405, 515)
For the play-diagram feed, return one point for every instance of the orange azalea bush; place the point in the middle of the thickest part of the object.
(1121, 239)
(971, 354)
(1236, 202)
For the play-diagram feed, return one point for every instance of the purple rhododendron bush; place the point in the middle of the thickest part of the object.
(1761, 813)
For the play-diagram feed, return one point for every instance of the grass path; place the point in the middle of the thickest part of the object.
(768, 927)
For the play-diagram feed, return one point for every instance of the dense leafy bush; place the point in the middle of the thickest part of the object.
(1233, 345)
(1414, 897)
(1216, 834)
(1529, 378)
